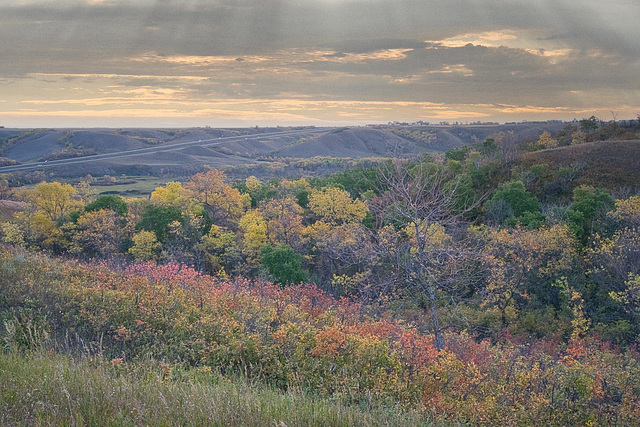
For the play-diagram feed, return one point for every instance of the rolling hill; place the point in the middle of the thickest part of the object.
(150, 151)
(609, 164)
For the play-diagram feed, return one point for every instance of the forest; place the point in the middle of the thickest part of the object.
(498, 283)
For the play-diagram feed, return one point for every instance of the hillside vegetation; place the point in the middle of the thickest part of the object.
(498, 283)
(296, 339)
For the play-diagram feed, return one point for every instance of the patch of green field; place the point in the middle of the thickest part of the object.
(133, 186)
(45, 389)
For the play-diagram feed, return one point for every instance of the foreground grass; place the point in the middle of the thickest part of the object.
(56, 390)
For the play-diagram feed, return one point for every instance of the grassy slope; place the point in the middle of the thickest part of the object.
(56, 390)
(8, 208)
(358, 142)
(609, 164)
(355, 143)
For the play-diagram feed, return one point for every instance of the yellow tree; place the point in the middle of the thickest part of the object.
(11, 233)
(85, 192)
(546, 141)
(335, 206)
(145, 246)
(171, 194)
(578, 137)
(627, 212)
(224, 204)
(630, 296)
(525, 263)
(252, 184)
(98, 233)
(53, 199)
(340, 250)
(38, 229)
(284, 221)
(614, 270)
(5, 190)
(295, 186)
(221, 250)
(254, 235)
(338, 240)
(50, 203)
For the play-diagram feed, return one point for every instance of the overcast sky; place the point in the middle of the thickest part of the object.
(169, 63)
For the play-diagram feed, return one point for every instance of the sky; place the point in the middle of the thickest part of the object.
(221, 63)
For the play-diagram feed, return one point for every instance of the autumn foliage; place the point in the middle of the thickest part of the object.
(480, 289)
(299, 338)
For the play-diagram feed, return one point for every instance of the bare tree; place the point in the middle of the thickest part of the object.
(614, 115)
(424, 236)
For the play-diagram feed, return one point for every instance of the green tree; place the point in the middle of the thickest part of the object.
(489, 146)
(458, 154)
(588, 208)
(356, 181)
(589, 125)
(158, 218)
(283, 264)
(108, 201)
(511, 200)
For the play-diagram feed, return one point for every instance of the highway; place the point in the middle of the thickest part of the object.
(153, 149)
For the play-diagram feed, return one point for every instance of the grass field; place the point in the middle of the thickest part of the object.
(42, 389)
(142, 186)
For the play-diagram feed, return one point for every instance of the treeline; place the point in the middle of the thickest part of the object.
(470, 242)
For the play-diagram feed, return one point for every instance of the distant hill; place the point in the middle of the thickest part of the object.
(609, 164)
(231, 147)
(355, 143)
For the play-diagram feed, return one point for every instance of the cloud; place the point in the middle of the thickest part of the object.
(335, 55)
(477, 56)
(486, 38)
(527, 109)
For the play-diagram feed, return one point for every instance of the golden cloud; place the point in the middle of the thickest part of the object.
(531, 109)
(454, 68)
(486, 38)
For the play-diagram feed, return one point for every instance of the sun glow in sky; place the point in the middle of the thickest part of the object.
(285, 62)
